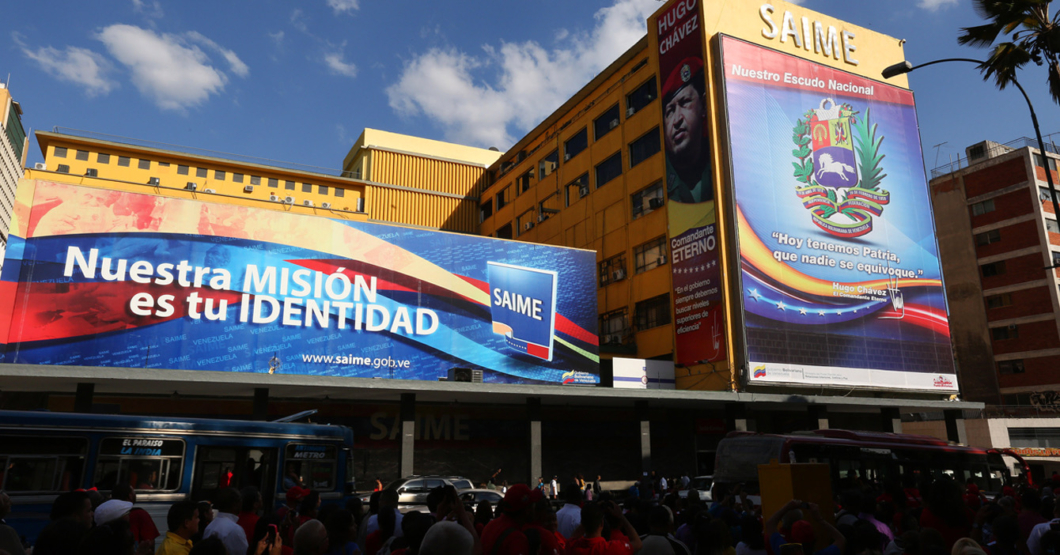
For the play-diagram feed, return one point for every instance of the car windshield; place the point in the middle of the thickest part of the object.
(394, 485)
(462, 484)
(701, 484)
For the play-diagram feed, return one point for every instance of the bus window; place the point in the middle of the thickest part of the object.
(142, 462)
(33, 464)
(315, 464)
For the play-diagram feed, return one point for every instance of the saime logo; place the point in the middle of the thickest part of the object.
(943, 381)
(523, 304)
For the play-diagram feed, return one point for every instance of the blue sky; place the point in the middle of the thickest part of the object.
(298, 81)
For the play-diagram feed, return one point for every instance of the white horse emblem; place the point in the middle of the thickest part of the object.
(828, 165)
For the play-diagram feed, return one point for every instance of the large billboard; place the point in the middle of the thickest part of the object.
(840, 278)
(97, 277)
(699, 319)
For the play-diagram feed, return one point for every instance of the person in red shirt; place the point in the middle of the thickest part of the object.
(545, 524)
(587, 538)
(248, 517)
(140, 522)
(507, 529)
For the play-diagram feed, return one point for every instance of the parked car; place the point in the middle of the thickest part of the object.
(701, 484)
(413, 490)
(472, 498)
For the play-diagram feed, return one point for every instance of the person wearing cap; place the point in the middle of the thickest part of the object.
(140, 522)
(112, 510)
(685, 127)
(507, 529)
(797, 530)
(588, 538)
(293, 497)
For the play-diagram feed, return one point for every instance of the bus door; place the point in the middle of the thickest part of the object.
(220, 467)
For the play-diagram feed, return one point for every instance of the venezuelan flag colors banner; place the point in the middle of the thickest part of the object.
(840, 278)
(96, 277)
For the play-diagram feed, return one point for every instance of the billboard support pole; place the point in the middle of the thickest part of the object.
(83, 398)
(533, 410)
(261, 403)
(641, 408)
(408, 432)
(819, 416)
(892, 420)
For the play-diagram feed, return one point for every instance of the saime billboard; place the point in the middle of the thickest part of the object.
(97, 277)
(840, 278)
(699, 320)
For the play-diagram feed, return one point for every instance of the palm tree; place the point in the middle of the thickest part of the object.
(1019, 31)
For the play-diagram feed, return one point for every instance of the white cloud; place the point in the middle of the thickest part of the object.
(152, 9)
(235, 64)
(935, 5)
(446, 85)
(166, 68)
(343, 6)
(277, 37)
(298, 20)
(75, 65)
(337, 64)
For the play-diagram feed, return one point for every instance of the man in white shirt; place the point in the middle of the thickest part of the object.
(555, 488)
(232, 535)
(388, 501)
(569, 517)
(1034, 540)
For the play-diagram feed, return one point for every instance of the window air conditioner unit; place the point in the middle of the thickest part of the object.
(40, 166)
(274, 198)
(325, 205)
(662, 260)
(154, 181)
(528, 226)
(566, 157)
(467, 375)
(191, 186)
(209, 190)
(288, 200)
(630, 111)
(583, 190)
(248, 189)
(620, 274)
(614, 123)
(541, 218)
(307, 203)
(655, 202)
(91, 172)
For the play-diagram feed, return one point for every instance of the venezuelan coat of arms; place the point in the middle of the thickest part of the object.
(837, 164)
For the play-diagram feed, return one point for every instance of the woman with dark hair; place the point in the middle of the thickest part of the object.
(946, 512)
(205, 518)
(387, 522)
(113, 538)
(714, 538)
(752, 542)
(483, 515)
(341, 533)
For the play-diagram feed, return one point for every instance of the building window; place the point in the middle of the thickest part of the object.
(144, 164)
(124, 161)
(613, 269)
(201, 172)
(322, 189)
(1006, 332)
(576, 144)
(1010, 367)
(614, 327)
(987, 237)
(63, 168)
(548, 164)
(1056, 258)
(218, 174)
(307, 187)
(274, 183)
(485, 210)
(60, 152)
(237, 178)
(550, 206)
(980, 208)
(255, 180)
(1043, 195)
(649, 255)
(998, 301)
(653, 312)
(608, 169)
(606, 122)
(340, 192)
(646, 201)
(504, 197)
(82, 155)
(993, 269)
(641, 97)
(525, 222)
(522, 184)
(1051, 227)
(1038, 162)
(103, 158)
(642, 148)
(182, 170)
(505, 231)
(163, 164)
(577, 189)
(288, 185)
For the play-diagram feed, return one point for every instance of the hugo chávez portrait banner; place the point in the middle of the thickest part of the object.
(96, 277)
(841, 283)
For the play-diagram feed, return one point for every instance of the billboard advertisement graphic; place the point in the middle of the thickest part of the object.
(105, 278)
(841, 282)
(699, 321)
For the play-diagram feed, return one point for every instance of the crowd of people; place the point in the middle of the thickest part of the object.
(938, 516)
